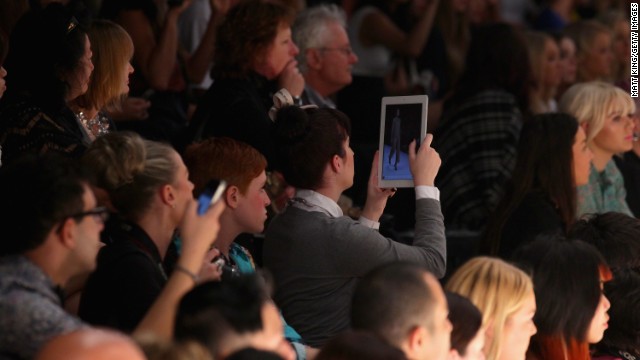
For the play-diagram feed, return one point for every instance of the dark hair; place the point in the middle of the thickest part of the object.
(497, 59)
(391, 300)
(45, 44)
(246, 34)
(466, 319)
(624, 314)
(306, 140)
(615, 234)
(356, 345)
(37, 192)
(4, 47)
(211, 311)
(566, 277)
(545, 164)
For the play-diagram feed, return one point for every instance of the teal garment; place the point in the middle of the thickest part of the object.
(605, 192)
(245, 265)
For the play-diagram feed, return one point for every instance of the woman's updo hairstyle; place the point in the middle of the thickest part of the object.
(130, 169)
(306, 140)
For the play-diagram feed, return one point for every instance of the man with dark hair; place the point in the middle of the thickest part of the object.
(232, 317)
(404, 304)
(50, 211)
(615, 235)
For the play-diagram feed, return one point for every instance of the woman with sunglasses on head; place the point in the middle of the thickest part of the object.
(48, 65)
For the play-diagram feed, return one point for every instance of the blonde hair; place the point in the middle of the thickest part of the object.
(130, 169)
(497, 289)
(112, 49)
(592, 102)
(536, 45)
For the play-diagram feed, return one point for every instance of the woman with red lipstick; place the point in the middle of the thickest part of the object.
(605, 112)
(568, 278)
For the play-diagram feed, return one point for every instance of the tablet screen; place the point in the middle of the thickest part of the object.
(403, 119)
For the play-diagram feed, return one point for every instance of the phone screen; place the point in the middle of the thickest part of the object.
(212, 192)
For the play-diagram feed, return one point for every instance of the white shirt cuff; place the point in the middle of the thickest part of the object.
(427, 192)
(369, 223)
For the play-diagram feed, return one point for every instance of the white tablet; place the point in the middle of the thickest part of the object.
(402, 119)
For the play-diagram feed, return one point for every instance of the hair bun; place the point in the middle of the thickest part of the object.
(292, 124)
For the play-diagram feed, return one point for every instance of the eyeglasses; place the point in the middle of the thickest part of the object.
(99, 213)
(346, 51)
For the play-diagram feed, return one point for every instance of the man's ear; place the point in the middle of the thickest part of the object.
(231, 196)
(416, 342)
(66, 233)
(314, 60)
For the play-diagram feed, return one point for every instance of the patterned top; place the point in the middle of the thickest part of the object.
(477, 143)
(25, 127)
(30, 309)
(604, 192)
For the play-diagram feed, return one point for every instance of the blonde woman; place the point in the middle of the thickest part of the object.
(605, 112)
(109, 83)
(546, 70)
(504, 295)
(593, 45)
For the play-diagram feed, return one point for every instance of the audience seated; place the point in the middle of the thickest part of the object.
(629, 165)
(479, 129)
(148, 187)
(112, 50)
(467, 336)
(593, 50)
(356, 345)
(568, 278)
(232, 316)
(243, 168)
(553, 158)
(504, 295)
(314, 252)
(403, 303)
(568, 61)
(49, 207)
(34, 111)
(91, 344)
(605, 112)
(255, 57)
(544, 56)
(620, 341)
(615, 235)
(164, 67)
(325, 57)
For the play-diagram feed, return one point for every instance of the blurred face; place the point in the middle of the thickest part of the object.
(622, 42)
(551, 64)
(441, 334)
(582, 157)
(335, 60)
(568, 59)
(518, 331)
(88, 235)
(347, 162)
(79, 79)
(474, 348)
(616, 135)
(128, 70)
(251, 210)
(183, 189)
(600, 321)
(3, 84)
(281, 51)
(596, 61)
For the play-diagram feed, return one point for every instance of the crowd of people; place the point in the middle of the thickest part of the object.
(518, 240)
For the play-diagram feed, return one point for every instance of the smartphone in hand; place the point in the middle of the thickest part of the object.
(212, 193)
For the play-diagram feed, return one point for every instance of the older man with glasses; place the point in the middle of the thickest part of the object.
(325, 57)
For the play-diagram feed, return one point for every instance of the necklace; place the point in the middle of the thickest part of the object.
(97, 126)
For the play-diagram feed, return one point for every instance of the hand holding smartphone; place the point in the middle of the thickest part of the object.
(211, 194)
